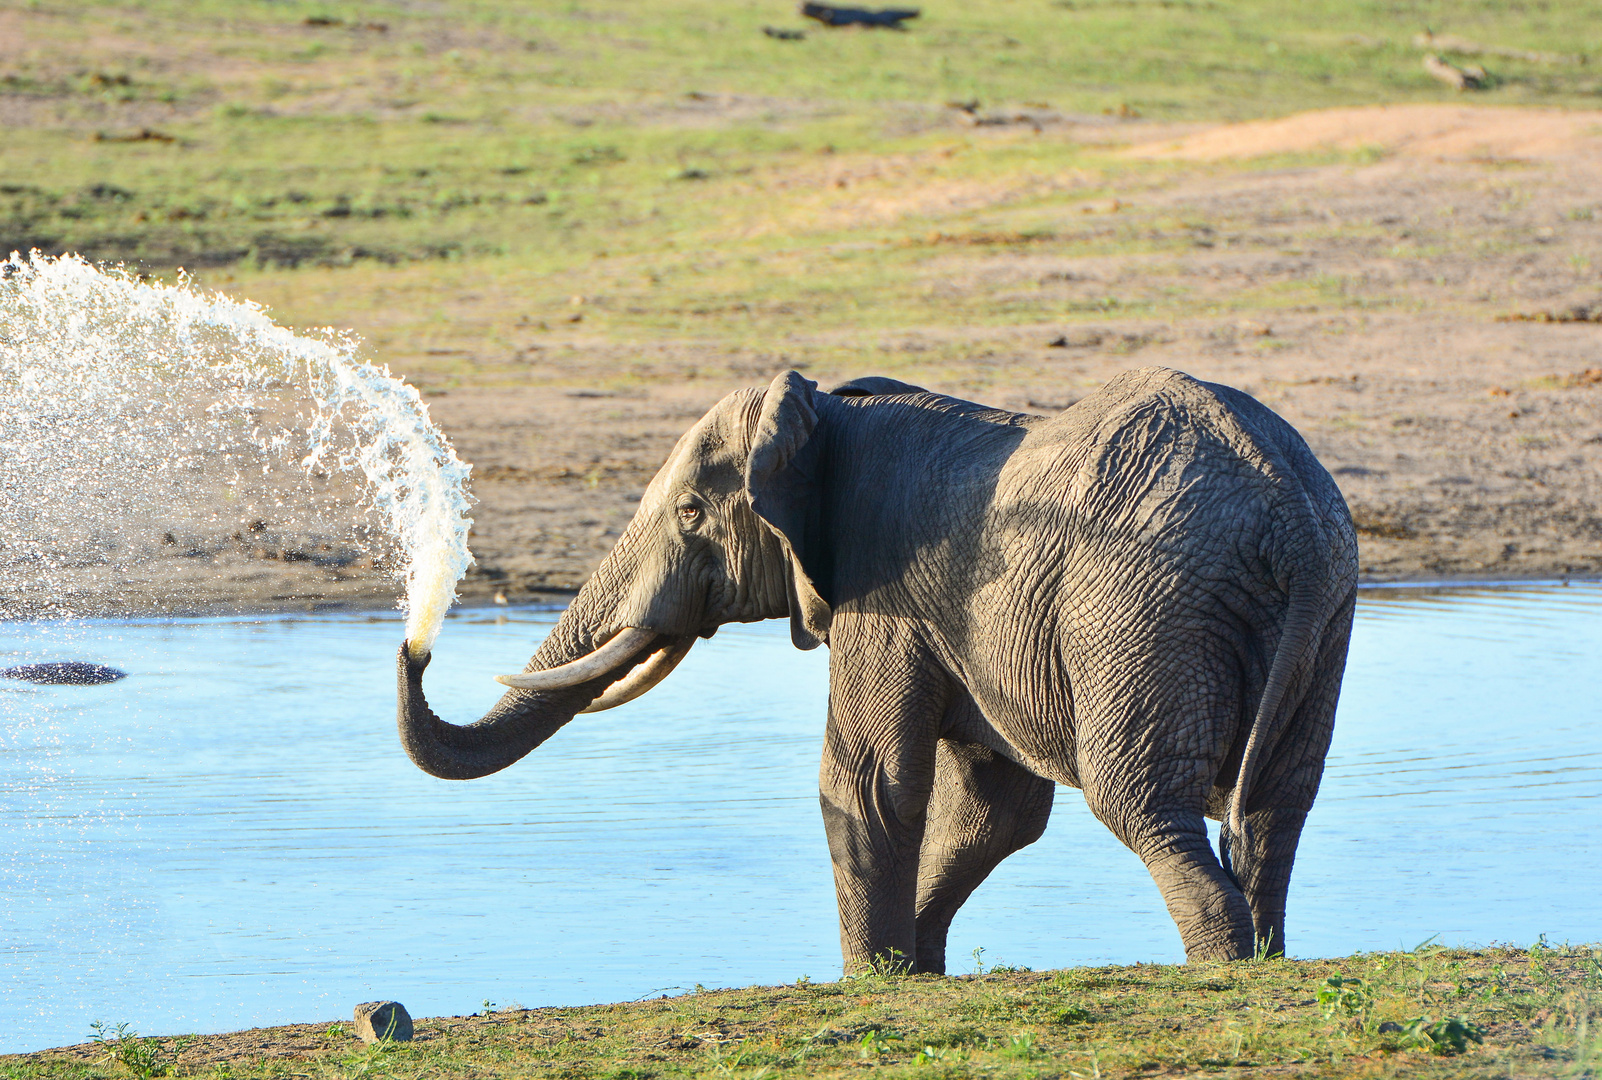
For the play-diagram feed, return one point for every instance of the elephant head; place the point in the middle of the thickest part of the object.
(721, 535)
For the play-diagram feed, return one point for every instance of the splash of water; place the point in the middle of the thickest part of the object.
(148, 433)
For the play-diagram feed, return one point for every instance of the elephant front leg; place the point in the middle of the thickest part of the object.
(983, 809)
(878, 770)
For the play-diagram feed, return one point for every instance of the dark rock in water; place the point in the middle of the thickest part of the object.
(64, 673)
(378, 1021)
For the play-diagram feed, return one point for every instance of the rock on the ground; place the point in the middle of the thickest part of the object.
(380, 1020)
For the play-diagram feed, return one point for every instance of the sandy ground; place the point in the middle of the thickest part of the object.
(1440, 354)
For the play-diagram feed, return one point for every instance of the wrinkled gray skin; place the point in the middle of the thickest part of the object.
(1147, 597)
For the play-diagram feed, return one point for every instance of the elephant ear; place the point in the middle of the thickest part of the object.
(783, 490)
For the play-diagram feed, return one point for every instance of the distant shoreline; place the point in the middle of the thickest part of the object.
(231, 604)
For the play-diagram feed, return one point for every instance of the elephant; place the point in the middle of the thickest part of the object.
(1147, 597)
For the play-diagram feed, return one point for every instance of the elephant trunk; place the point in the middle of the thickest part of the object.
(588, 663)
(517, 723)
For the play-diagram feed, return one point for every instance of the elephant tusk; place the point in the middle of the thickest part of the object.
(642, 678)
(623, 645)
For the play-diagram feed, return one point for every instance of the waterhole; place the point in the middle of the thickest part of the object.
(232, 837)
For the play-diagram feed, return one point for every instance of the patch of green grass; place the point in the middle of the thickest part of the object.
(143, 1057)
(1429, 1012)
(301, 133)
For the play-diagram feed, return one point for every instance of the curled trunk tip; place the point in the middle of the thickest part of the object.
(516, 724)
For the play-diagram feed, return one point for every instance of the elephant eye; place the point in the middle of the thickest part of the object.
(689, 515)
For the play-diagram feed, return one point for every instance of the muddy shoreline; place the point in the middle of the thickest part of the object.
(491, 596)
(247, 600)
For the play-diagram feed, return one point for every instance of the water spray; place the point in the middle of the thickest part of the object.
(125, 404)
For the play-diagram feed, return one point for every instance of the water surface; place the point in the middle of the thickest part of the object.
(232, 837)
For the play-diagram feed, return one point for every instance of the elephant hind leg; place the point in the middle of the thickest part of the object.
(1204, 899)
(1209, 908)
(983, 808)
(1264, 871)
(1283, 794)
(1154, 802)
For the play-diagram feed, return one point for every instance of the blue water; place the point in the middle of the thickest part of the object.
(232, 837)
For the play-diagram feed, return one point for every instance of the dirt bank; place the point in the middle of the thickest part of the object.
(1444, 365)
(1422, 305)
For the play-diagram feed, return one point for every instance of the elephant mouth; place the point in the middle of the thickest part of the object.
(643, 676)
(615, 658)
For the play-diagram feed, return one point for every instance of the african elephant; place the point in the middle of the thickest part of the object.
(1147, 597)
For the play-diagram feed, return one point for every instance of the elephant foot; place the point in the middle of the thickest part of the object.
(1217, 950)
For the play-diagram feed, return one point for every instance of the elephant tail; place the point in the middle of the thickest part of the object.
(1303, 618)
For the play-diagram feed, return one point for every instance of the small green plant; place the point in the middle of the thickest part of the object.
(882, 968)
(818, 1042)
(1021, 1046)
(1494, 985)
(1429, 946)
(891, 962)
(979, 960)
(1539, 972)
(1264, 949)
(875, 1041)
(1009, 969)
(1344, 997)
(1449, 1035)
(142, 1057)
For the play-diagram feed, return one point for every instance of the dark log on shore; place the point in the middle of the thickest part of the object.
(829, 15)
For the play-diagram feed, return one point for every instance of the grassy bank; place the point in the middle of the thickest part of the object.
(626, 195)
(1428, 1012)
(489, 190)
(289, 134)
